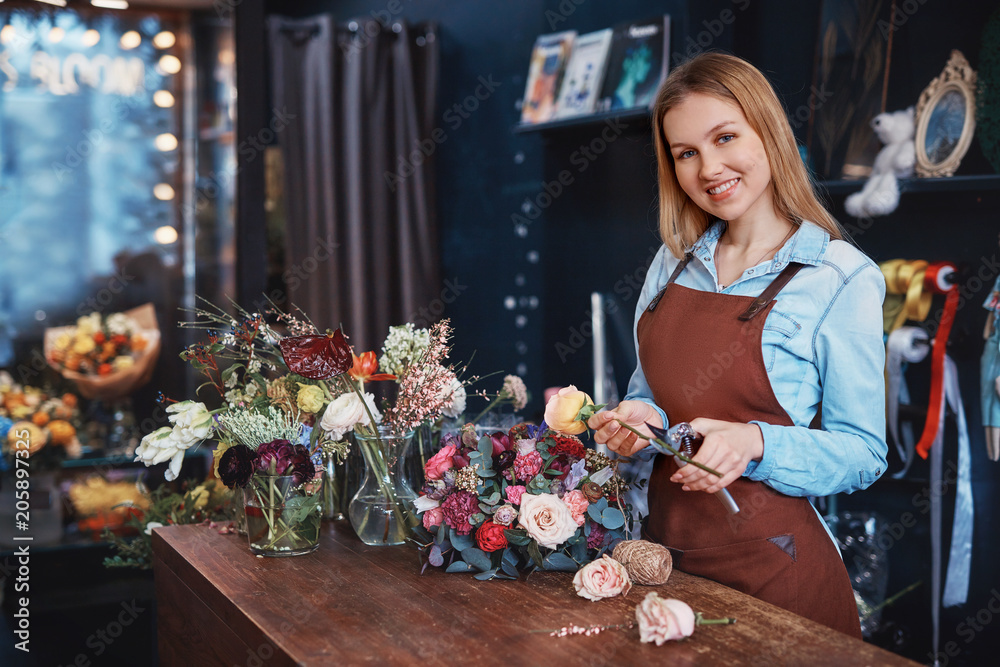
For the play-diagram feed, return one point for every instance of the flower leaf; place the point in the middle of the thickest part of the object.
(459, 566)
(477, 558)
(517, 537)
(485, 447)
(435, 558)
(461, 542)
(536, 554)
(486, 576)
(612, 518)
(493, 499)
(559, 562)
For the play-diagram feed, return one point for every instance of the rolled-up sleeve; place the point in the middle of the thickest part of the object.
(848, 454)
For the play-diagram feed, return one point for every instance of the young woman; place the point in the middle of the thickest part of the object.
(752, 313)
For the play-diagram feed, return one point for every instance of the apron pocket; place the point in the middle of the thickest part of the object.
(763, 568)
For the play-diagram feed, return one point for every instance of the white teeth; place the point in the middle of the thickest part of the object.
(722, 188)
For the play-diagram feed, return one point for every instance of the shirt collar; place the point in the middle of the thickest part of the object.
(806, 246)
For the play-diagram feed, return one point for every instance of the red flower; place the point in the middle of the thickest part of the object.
(365, 366)
(566, 444)
(317, 357)
(457, 508)
(490, 537)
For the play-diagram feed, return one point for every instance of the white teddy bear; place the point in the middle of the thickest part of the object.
(880, 195)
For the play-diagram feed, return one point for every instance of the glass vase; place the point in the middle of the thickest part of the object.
(334, 487)
(282, 519)
(382, 512)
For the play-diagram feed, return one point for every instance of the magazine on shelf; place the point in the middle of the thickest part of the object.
(637, 64)
(548, 62)
(581, 84)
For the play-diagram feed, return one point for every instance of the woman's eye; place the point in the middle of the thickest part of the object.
(686, 154)
(726, 137)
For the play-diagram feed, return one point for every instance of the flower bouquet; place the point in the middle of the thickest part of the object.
(106, 357)
(50, 419)
(530, 498)
(280, 482)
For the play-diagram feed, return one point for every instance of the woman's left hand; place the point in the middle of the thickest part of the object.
(728, 448)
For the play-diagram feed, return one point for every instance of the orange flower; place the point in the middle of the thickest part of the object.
(365, 366)
(40, 418)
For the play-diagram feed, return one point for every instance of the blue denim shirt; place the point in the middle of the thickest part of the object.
(821, 341)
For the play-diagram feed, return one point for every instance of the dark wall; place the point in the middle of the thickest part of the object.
(598, 232)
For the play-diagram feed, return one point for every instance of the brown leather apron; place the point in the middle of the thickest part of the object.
(701, 354)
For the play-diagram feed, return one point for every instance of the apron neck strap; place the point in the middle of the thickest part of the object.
(770, 291)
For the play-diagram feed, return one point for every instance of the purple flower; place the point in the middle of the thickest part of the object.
(236, 466)
(576, 474)
(501, 443)
(597, 534)
(504, 460)
(280, 457)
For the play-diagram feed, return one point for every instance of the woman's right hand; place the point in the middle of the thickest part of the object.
(619, 439)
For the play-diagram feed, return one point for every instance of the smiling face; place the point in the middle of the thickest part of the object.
(719, 160)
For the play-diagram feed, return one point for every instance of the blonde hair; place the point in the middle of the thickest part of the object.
(736, 81)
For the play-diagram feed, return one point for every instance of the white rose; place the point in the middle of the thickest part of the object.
(346, 411)
(159, 446)
(548, 520)
(453, 398)
(192, 422)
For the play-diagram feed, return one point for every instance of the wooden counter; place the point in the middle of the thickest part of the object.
(350, 604)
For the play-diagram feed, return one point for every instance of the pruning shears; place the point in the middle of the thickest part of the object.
(682, 437)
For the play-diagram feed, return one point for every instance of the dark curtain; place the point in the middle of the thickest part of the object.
(362, 246)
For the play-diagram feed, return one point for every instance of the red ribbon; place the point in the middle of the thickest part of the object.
(932, 284)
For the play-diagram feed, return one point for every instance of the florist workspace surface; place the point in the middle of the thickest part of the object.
(349, 604)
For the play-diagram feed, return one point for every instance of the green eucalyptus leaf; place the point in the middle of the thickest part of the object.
(485, 447)
(460, 566)
(536, 554)
(486, 576)
(477, 558)
(494, 499)
(518, 538)
(612, 518)
(461, 542)
(559, 562)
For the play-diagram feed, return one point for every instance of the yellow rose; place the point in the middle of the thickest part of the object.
(562, 409)
(83, 345)
(310, 398)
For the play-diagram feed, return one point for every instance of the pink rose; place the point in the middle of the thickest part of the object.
(547, 519)
(440, 463)
(663, 620)
(433, 517)
(603, 578)
(514, 494)
(577, 503)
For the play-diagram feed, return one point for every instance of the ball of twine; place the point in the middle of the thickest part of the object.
(646, 562)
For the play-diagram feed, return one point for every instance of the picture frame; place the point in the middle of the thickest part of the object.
(946, 119)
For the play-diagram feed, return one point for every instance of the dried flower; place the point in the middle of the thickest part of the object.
(466, 479)
(504, 515)
(317, 357)
(513, 387)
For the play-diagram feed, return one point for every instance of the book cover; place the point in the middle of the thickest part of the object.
(581, 84)
(637, 64)
(548, 62)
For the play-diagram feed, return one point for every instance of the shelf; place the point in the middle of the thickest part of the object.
(583, 121)
(945, 184)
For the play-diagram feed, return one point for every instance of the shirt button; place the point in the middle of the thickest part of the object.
(750, 271)
(707, 258)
